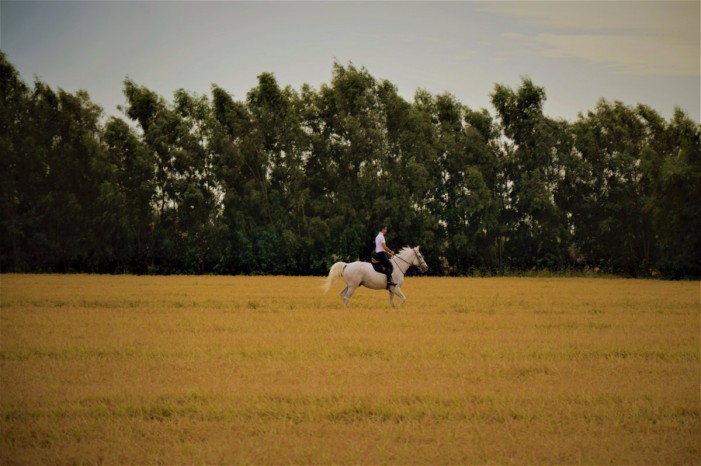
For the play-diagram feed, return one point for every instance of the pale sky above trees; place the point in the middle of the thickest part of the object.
(580, 51)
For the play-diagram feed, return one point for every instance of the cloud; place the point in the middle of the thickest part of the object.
(637, 55)
(638, 38)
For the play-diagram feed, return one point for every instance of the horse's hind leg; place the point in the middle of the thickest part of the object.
(347, 293)
(342, 294)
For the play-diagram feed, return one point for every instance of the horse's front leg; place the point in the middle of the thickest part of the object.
(391, 298)
(399, 293)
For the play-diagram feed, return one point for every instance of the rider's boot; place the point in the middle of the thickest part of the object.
(389, 281)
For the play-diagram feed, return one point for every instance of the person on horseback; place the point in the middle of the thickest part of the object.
(384, 253)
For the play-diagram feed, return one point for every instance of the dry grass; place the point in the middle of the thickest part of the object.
(97, 369)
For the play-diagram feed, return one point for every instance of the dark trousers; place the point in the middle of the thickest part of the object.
(384, 260)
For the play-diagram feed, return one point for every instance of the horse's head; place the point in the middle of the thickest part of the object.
(419, 260)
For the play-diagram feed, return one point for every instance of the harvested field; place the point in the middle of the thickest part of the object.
(124, 369)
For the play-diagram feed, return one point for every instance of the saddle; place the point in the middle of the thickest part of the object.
(379, 268)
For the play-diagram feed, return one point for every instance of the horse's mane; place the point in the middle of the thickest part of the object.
(405, 249)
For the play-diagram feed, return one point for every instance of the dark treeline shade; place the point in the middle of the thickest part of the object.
(288, 181)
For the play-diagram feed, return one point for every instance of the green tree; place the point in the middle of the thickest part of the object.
(197, 189)
(350, 121)
(230, 123)
(178, 138)
(20, 170)
(611, 228)
(534, 163)
(407, 165)
(276, 116)
(676, 211)
(288, 182)
(127, 193)
(65, 133)
(242, 170)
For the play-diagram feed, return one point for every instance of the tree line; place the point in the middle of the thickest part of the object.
(288, 181)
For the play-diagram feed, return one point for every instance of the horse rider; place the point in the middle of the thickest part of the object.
(384, 253)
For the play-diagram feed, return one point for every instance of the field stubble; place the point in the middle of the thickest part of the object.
(122, 369)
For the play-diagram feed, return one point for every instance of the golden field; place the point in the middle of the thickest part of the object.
(123, 370)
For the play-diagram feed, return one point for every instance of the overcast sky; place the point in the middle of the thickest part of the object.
(579, 51)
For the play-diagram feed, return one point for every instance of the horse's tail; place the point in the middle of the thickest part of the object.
(335, 272)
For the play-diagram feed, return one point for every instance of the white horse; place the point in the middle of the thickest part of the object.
(360, 273)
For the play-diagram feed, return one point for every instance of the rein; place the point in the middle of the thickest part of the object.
(402, 259)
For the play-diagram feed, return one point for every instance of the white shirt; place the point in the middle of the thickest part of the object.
(379, 241)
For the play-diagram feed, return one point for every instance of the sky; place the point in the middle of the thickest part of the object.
(580, 51)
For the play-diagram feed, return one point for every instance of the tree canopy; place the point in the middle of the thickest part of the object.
(287, 181)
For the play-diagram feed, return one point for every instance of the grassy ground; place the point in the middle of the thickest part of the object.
(102, 369)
